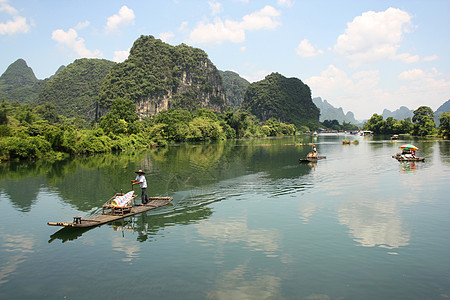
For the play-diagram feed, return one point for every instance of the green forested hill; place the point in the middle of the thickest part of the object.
(18, 83)
(235, 87)
(158, 76)
(17, 75)
(76, 85)
(285, 99)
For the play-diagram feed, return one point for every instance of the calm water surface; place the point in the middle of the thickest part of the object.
(247, 222)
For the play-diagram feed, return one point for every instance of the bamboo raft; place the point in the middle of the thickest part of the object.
(311, 159)
(111, 213)
(408, 159)
(400, 157)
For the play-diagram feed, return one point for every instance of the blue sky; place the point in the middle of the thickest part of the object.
(361, 55)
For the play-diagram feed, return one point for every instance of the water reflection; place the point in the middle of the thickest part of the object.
(374, 222)
(66, 234)
(236, 284)
(237, 231)
(15, 250)
(408, 167)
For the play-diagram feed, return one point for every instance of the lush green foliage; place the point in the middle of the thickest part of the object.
(121, 118)
(34, 132)
(155, 70)
(17, 75)
(423, 120)
(235, 87)
(334, 125)
(19, 83)
(285, 99)
(388, 126)
(422, 124)
(444, 126)
(73, 91)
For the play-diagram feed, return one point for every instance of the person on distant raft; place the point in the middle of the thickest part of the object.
(314, 151)
(140, 179)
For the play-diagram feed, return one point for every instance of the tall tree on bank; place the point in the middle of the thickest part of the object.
(423, 121)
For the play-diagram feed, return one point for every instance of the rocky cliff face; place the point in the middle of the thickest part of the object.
(158, 76)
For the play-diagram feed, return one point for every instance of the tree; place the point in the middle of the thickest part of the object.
(240, 121)
(332, 124)
(273, 126)
(125, 109)
(3, 114)
(121, 118)
(423, 120)
(375, 123)
(422, 112)
(389, 126)
(404, 126)
(444, 127)
(48, 112)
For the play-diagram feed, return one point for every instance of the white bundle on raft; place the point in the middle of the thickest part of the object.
(124, 200)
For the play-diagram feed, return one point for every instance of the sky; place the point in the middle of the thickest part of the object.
(361, 55)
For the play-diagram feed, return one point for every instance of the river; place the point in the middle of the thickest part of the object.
(248, 221)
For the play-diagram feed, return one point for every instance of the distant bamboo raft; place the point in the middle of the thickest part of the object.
(311, 159)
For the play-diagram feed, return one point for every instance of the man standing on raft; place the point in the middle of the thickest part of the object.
(313, 153)
(140, 179)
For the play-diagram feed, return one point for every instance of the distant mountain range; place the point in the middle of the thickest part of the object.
(329, 112)
(400, 114)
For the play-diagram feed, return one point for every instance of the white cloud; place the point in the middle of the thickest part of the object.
(431, 58)
(166, 36)
(183, 26)
(4, 6)
(413, 74)
(406, 58)
(18, 24)
(358, 93)
(287, 3)
(265, 18)
(120, 56)
(74, 42)
(375, 36)
(82, 25)
(419, 75)
(124, 17)
(423, 88)
(217, 32)
(220, 31)
(216, 7)
(305, 49)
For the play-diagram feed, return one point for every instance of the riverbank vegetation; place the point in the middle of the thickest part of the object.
(421, 124)
(31, 132)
